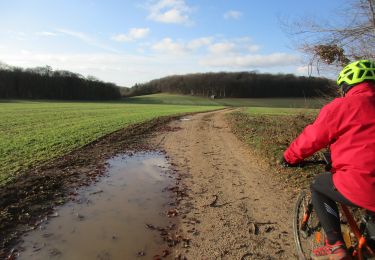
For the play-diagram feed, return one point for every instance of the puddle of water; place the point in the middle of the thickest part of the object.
(110, 220)
(185, 119)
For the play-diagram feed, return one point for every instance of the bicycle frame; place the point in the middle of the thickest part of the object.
(362, 242)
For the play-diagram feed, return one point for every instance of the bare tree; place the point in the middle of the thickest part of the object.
(349, 35)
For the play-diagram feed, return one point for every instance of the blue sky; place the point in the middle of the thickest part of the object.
(130, 42)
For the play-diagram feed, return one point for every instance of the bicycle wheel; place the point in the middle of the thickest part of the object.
(308, 233)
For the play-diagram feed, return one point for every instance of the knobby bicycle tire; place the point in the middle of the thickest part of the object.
(312, 235)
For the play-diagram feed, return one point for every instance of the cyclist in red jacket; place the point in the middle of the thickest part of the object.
(347, 126)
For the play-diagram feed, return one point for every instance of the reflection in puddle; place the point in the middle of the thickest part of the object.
(109, 221)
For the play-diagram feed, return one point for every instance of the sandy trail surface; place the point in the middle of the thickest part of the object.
(234, 209)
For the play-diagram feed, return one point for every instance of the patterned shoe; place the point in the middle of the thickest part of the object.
(336, 251)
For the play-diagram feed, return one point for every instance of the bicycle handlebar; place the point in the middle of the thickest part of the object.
(326, 161)
(314, 162)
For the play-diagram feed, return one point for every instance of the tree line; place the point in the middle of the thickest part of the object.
(45, 83)
(238, 85)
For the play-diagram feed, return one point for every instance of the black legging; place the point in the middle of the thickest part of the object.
(324, 196)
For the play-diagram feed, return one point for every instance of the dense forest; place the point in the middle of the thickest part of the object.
(45, 83)
(238, 85)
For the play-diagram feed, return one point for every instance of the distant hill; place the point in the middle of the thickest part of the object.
(238, 85)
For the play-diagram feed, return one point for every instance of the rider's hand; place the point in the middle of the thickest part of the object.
(284, 163)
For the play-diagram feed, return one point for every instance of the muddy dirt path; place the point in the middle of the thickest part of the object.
(235, 209)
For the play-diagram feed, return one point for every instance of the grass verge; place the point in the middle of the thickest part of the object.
(269, 134)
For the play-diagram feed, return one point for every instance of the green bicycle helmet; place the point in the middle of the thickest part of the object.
(356, 72)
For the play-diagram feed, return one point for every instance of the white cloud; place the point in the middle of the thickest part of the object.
(170, 46)
(221, 47)
(76, 34)
(45, 33)
(133, 34)
(253, 47)
(20, 36)
(25, 51)
(232, 14)
(199, 42)
(87, 39)
(251, 61)
(167, 45)
(240, 46)
(170, 11)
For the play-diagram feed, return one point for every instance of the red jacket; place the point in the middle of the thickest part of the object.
(347, 125)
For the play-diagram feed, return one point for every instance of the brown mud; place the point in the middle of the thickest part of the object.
(30, 197)
(112, 218)
(234, 207)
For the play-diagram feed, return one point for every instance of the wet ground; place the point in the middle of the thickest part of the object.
(110, 219)
(234, 207)
(33, 194)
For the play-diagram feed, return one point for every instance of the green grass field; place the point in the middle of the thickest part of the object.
(171, 99)
(164, 98)
(279, 111)
(273, 102)
(35, 132)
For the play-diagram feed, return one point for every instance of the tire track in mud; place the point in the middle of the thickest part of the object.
(234, 208)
